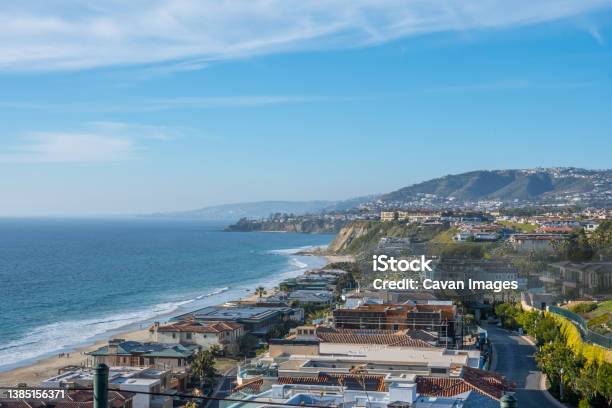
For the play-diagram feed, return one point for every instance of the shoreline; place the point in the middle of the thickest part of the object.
(33, 371)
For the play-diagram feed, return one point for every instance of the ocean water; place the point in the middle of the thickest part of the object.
(67, 282)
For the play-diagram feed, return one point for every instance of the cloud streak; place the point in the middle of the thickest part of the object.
(196, 102)
(68, 148)
(72, 34)
(99, 142)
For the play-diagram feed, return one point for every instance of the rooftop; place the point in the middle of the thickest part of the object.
(119, 347)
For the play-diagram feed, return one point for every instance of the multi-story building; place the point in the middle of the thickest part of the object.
(225, 335)
(437, 318)
(579, 279)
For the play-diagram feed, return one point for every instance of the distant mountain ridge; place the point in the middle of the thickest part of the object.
(510, 185)
(262, 209)
(536, 186)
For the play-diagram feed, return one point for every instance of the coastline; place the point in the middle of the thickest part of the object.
(33, 371)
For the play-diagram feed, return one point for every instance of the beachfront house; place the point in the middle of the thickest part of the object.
(225, 335)
(120, 352)
(257, 319)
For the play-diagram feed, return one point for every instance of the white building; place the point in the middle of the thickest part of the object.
(203, 334)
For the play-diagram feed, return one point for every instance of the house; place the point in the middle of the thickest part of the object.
(225, 335)
(579, 278)
(471, 388)
(459, 269)
(120, 352)
(305, 296)
(388, 215)
(257, 319)
(536, 242)
(73, 399)
(437, 318)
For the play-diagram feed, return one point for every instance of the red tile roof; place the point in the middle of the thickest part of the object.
(196, 327)
(352, 381)
(472, 379)
(253, 386)
(361, 336)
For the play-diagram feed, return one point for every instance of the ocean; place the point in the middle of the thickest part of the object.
(68, 282)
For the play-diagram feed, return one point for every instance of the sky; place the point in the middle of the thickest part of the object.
(115, 107)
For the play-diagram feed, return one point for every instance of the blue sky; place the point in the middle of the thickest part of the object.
(121, 107)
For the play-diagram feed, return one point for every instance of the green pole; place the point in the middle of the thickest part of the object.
(100, 386)
(508, 401)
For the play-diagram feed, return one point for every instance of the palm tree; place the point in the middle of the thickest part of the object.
(203, 367)
(215, 350)
(260, 291)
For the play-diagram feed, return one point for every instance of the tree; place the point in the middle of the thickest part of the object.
(247, 343)
(215, 350)
(260, 291)
(203, 367)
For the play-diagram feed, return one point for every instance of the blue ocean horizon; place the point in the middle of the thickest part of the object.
(69, 282)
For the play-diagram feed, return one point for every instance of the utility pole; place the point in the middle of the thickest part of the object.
(100, 386)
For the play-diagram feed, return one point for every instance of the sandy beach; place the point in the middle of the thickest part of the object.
(42, 369)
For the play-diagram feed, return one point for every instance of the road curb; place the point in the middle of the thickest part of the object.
(542, 384)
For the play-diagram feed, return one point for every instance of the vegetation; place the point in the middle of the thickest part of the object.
(351, 267)
(362, 237)
(584, 370)
(260, 291)
(581, 247)
(583, 307)
(203, 368)
(520, 227)
(247, 343)
(215, 350)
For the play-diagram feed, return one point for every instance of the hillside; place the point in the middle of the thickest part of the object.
(532, 185)
(360, 237)
(310, 225)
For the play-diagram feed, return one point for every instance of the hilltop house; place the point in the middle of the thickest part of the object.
(536, 242)
(580, 279)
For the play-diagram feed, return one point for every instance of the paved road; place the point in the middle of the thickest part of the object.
(224, 387)
(515, 359)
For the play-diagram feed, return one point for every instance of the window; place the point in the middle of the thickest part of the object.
(188, 336)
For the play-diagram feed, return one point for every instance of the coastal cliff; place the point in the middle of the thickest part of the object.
(309, 226)
(358, 237)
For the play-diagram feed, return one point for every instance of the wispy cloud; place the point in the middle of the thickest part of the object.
(73, 34)
(68, 148)
(161, 104)
(100, 141)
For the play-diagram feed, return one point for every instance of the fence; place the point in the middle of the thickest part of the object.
(588, 334)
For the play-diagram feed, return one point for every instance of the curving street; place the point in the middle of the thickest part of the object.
(514, 357)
